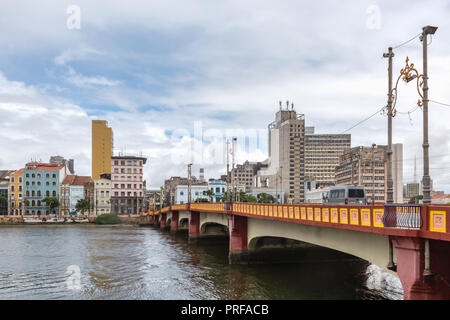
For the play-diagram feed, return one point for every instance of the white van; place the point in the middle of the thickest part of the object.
(343, 195)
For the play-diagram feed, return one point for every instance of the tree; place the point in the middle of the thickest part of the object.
(210, 194)
(201, 200)
(416, 199)
(83, 205)
(51, 202)
(265, 198)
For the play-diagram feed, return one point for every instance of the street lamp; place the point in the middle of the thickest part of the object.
(189, 182)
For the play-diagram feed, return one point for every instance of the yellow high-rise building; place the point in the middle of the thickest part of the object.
(102, 146)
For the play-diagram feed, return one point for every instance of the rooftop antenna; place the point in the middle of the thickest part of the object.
(292, 106)
(280, 104)
(287, 104)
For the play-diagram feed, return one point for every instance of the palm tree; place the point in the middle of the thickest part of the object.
(83, 205)
(51, 202)
(210, 194)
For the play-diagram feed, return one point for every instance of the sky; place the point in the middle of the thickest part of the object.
(174, 79)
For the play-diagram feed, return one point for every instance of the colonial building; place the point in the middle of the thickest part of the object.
(197, 191)
(41, 180)
(218, 188)
(16, 193)
(128, 185)
(72, 190)
(102, 194)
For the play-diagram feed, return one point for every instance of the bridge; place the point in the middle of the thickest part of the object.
(411, 241)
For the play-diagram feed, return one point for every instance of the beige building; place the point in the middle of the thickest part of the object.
(286, 165)
(243, 175)
(102, 148)
(322, 152)
(367, 166)
(102, 194)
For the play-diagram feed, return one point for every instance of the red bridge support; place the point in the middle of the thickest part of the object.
(174, 222)
(410, 254)
(194, 225)
(238, 252)
(162, 221)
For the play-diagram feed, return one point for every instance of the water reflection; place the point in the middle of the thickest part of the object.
(129, 262)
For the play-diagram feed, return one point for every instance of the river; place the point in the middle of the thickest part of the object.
(132, 262)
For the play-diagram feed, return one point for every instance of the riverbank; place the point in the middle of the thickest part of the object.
(46, 220)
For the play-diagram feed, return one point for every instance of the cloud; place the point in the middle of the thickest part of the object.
(149, 70)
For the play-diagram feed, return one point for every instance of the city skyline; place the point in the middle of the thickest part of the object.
(228, 69)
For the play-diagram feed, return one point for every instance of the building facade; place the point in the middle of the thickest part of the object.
(71, 191)
(128, 185)
(197, 192)
(367, 166)
(4, 191)
(16, 193)
(244, 174)
(102, 148)
(218, 187)
(61, 161)
(286, 163)
(322, 152)
(41, 180)
(102, 195)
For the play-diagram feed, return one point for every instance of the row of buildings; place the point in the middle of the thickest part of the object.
(116, 184)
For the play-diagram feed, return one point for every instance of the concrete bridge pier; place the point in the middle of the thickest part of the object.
(163, 221)
(174, 222)
(410, 254)
(194, 226)
(238, 251)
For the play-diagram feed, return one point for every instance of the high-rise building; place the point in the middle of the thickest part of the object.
(286, 165)
(128, 185)
(322, 152)
(244, 174)
(367, 166)
(102, 148)
(63, 162)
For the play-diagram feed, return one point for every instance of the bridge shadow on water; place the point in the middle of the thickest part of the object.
(278, 269)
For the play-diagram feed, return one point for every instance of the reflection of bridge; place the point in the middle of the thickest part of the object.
(411, 237)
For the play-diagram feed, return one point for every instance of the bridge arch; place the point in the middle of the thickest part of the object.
(373, 248)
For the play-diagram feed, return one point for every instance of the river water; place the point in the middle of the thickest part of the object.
(132, 262)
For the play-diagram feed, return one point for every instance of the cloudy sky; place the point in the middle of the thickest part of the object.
(170, 74)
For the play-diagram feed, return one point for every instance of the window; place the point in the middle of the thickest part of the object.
(181, 193)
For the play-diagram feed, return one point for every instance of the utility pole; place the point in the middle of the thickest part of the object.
(232, 167)
(373, 173)
(228, 172)
(189, 182)
(426, 168)
(390, 183)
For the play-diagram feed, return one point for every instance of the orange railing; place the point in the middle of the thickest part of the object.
(436, 218)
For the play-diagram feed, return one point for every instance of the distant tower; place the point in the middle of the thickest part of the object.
(102, 146)
(202, 174)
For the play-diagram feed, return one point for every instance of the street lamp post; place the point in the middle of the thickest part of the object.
(426, 168)
(189, 182)
(391, 114)
(373, 173)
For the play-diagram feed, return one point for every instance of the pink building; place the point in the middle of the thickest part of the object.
(127, 184)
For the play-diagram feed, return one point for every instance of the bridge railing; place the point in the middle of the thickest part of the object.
(403, 216)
